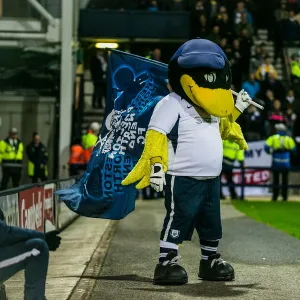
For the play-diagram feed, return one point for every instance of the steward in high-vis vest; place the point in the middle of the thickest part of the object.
(37, 159)
(11, 158)
(280, 146)
(77, 161)
(90, 139)
(231, 153)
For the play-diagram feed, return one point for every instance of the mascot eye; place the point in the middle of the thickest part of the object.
(211, 77)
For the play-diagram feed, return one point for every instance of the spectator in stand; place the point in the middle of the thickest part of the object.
(291, 119)
(240, 9)
(213, 9)
(256, 58)
(254, 129)
(269, 100)
(260, 53)
(153, 5)
(271, 83)
(235, 60)
(276, 116)
(264, 70)
(98, 68)
(200, 27)
(281, 13)
(156, 54)
(290, 96)
(215, 36)
(200, 8)
(251, 86)
(268, 107)
(226, 28)
(290, 28)
(246, 43)
(225, 47)
(221, 12)
(244, 24)
(291, 99)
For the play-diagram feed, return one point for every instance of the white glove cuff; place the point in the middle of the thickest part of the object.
(239, 106)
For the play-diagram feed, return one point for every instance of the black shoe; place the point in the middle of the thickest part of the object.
(215, 269)
(169, 272)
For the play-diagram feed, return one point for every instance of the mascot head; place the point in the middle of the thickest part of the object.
(200, 73)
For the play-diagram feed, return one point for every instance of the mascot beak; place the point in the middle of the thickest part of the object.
(217, 102)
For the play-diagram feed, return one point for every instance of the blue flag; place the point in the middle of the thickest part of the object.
(135, 86)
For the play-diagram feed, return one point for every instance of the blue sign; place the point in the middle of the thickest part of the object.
(135, 86)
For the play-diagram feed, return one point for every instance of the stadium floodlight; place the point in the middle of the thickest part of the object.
(107, 45)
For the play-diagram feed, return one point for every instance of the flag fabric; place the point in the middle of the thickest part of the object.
(135, 86)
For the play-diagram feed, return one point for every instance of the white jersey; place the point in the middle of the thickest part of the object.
(195, 144)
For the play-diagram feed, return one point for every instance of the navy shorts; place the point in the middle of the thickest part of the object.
(190, 204)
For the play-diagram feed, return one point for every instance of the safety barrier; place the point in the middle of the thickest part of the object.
(37, 207)
(255, 177)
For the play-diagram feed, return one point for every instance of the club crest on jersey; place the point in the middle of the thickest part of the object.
(174, 233)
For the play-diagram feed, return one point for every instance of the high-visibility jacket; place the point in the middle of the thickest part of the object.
(77, 156)
(11, 152)
(295, 69)
(280, 146)
(88, 141)
(37, 159)
(263, 70)
(232, 152)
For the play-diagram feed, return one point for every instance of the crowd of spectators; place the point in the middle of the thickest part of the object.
(233, 29)
(233, 24)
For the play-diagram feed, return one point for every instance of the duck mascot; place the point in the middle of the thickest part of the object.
(183, 155)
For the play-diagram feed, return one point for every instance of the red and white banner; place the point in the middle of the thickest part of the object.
(49, 190)
(31, 209)
(254, 157)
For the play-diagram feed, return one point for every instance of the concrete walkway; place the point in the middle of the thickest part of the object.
(110, 260)
(266, 261)
(68, 263)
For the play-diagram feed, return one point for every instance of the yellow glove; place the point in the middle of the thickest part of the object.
(232, 131)
(156, 150)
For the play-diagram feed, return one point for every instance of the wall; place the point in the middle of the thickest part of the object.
(29, 114)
